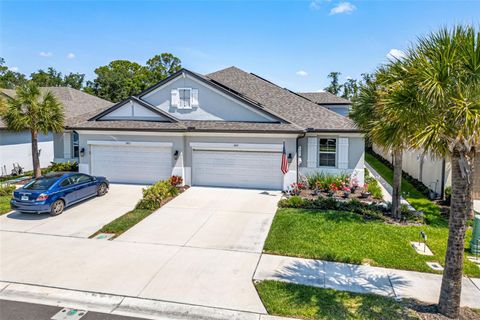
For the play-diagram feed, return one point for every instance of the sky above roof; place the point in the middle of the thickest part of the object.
(292, 43)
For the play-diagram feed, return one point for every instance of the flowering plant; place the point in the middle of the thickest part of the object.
(175, 180)
(296, 188)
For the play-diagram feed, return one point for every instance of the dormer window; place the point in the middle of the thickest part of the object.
(185, 98)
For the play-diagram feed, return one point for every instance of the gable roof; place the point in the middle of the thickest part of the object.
(326, 98)
(141, 102)
(294, 112)
(77, 105)
(291, 106)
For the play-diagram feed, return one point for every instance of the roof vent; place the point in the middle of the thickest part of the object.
(190, 128)
(310, 129)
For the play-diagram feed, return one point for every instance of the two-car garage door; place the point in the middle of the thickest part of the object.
(131, 163)
(244, 169)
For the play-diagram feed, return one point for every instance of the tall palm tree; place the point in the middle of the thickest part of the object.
(30, 110)
(376, 112)
(446, 69)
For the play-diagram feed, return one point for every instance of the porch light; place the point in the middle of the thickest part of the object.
(175, 155)
(82, 152)
(290, 158)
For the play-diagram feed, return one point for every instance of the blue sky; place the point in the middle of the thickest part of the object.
(293, 43)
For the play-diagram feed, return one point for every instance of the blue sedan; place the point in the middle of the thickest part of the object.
(54, 192)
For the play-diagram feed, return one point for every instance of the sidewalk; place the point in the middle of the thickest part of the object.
(362, 279)
(387, 189)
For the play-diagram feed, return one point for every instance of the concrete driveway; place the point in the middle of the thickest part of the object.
(212, 218)
(201, 249)
(80, 220)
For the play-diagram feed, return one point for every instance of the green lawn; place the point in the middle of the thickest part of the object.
(347, 237)
(292, 300)
(412, 195)
(5, 204)
(125, 222)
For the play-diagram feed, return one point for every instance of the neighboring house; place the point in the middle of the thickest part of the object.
(15, 147)
(433, 172)
(330, 101)
(223, 129)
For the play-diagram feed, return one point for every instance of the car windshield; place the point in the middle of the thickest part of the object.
(42, 183)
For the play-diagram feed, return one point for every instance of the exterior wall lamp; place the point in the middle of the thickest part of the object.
(82, 152)
(290, 158)
(175, 155)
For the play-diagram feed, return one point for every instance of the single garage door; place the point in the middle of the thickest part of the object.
(244, 169)
(131, 163)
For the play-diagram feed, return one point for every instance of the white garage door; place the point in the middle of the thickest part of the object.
(242, 169)
(130, 163)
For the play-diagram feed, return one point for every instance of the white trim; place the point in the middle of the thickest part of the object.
(130, 143)
(335, 134)
(312, 148)
(342, 153)
(277, 147)
(188, 134)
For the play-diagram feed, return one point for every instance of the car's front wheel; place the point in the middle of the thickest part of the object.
(57, 208)
(102, 189)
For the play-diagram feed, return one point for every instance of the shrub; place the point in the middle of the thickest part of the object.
(366, 210)
(63, 166)
(155, 194)
(6, 190)
(375, 190)
(448, 195)
(175, 180)
(327, 182)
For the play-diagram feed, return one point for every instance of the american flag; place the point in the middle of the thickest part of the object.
(284, 166)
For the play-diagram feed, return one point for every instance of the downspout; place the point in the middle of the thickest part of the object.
(442, 184)
(296, 151)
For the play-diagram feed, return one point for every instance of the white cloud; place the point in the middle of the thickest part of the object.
(302, 73)
(395, 54)
(71, 55)
(45, 54)
(343, 7)
(317, 4)
(14, 69)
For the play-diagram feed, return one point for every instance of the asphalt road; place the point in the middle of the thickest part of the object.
(14, 310)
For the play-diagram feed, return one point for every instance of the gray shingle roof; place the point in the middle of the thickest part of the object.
(78, 105)
(289, 105)
(299, 113)
(324, 98)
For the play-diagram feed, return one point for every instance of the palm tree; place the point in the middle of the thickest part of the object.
(445, 66)
(30, 110)
(376, 112)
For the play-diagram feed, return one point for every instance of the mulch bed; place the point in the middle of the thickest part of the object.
(429, 311)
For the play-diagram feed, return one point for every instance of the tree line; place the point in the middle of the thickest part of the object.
(114, 82)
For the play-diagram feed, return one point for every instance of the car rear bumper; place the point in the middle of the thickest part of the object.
(29, 207)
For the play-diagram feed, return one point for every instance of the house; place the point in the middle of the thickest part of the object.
(330, 101)
(15, 147)
(226, 129)
(433, 172)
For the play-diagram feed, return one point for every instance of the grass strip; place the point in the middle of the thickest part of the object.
(125, 222)
(410, 193)
(348, 237)
(5, 204)
(292, 300)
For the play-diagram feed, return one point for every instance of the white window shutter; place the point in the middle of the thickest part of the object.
(175, 98)
(312, 152)
(194, 97)
(343, 153)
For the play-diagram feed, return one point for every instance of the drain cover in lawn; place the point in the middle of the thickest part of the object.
(104, 236)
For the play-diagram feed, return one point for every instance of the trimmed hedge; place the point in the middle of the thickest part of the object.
(367, 210)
